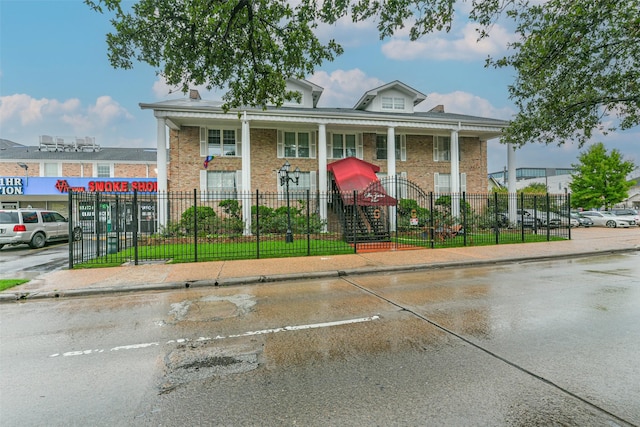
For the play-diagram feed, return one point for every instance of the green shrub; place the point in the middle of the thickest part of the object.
(206, 220)
(231, 207)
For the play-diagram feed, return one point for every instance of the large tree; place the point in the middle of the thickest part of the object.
(576, 62)
(600, 179)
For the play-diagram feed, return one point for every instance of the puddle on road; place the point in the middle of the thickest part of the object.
(211, 308)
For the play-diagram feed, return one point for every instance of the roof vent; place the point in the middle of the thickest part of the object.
(437, 109)
(194, 94)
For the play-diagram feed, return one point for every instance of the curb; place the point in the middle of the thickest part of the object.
(8, 296)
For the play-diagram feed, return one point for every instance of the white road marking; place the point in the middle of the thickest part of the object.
(135, 346)
(220, 337)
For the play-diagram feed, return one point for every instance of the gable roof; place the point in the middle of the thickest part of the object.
(316, 91)
(369, 96)
(185, 112)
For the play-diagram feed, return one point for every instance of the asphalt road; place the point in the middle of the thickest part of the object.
(22, 262)
(546, 343)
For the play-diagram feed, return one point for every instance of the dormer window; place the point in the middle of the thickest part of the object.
(395, 97)
(294, 101)
(392, 103)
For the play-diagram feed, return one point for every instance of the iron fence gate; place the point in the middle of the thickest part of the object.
(393, 214)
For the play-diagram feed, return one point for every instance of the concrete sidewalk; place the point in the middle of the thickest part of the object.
(585, 242)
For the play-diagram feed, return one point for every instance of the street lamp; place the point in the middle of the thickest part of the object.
(26, 172)
(284, 173)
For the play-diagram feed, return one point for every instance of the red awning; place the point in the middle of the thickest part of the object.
(352, 174)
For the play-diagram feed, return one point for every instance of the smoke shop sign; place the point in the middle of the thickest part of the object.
(63, 186)
(11, 186)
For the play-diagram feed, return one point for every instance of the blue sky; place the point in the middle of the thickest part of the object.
(55, 79)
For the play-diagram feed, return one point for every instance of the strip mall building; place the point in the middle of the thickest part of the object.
(41, 176)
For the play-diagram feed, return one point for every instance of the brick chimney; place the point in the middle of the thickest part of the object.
(194, 94)
(437, 109)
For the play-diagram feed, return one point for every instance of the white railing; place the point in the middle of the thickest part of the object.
(61, 143)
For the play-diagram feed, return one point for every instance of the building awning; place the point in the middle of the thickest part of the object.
(355, 175)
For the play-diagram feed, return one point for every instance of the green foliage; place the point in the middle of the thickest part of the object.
(600, 179)
(444, 202)
(534, 188)
(315, 224)
(206, 220)
(276, 220)
(10, 283)
(499, 202)
(231, 226)
(407, 208)
(536, 201)
(492, 216)
(172, 229)
(262, 211)
(249, 47)
(231, 207)
(576, 63)
(566, 78)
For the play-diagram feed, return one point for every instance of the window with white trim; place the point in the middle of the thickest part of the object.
(296, 144)
(307, 181)
(51, 169)
(219, 184)
(392, 103)
(103, 170)
(442, 183)
(442, 149)
(343, 146)
(401, 147)
(220, 142)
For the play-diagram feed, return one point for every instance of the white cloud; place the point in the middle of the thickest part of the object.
(106, 111)
(463, 45)
(343, 88)
(464, 103)
(162, 90)
(31, 111)
(22, 115)
(348, 33)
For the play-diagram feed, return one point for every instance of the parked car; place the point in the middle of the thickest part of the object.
(554, 220)
(34, 227)
(573, 222)
(628, 212)
(583, 221)
(608, 219)
(527, 219)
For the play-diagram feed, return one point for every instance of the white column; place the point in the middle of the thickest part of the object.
(391, 152)
(161, 159)
(391, 173)
(455, 174)
(511, 184)
(245, 192)
(322, 173)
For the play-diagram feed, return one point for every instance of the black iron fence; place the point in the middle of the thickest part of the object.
(196, 226)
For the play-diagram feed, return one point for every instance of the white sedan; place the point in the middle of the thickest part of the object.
(607, 219)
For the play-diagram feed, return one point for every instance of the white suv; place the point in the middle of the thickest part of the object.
(34, 227)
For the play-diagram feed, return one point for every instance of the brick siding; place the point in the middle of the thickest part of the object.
(185, 162)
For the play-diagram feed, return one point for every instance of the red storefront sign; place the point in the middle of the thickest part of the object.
(63, 186)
